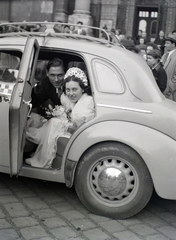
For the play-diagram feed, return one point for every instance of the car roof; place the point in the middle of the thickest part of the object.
(130, 64)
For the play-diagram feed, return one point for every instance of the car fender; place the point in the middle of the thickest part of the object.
(156, 149)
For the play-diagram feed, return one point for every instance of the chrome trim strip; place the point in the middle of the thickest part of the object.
(124, 108)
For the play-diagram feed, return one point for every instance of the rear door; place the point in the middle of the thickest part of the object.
(20, 104)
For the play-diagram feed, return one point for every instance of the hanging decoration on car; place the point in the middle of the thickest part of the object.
(6, 90)
(7, 81)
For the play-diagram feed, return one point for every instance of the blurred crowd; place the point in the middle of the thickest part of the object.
(43, 27)
(160, 55)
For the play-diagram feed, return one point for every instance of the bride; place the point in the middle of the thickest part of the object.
(77, 108)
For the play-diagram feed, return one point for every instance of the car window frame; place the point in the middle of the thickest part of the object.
(114, 69)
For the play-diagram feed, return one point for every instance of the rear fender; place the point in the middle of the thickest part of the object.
(157, 150)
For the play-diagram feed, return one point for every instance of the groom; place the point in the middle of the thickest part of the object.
(50, 89)
(51, 86)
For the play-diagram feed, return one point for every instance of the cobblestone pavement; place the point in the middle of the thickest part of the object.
(33, 209)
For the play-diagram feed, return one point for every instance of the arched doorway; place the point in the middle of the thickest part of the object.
(147, 21)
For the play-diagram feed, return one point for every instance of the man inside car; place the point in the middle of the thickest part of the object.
(51, 86)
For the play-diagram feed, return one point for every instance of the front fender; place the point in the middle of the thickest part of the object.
(157, 150)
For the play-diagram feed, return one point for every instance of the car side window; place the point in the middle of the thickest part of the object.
(9, 65)
(108, 79)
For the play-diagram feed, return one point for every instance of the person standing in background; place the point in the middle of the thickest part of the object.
(136, 41)
(160, 41)
(169, 62)
(153, 60)
(79, 30)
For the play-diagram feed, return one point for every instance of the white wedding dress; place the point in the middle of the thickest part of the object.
(45, 135)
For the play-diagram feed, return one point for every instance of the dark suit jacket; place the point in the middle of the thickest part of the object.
(160, 77)
(46, 91)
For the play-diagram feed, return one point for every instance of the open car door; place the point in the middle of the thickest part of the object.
(20, 104)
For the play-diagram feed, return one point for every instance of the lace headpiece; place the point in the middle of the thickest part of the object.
(77, 72)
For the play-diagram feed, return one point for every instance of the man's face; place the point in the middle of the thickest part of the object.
(151, 61)
(79, 25)
(144, 34)
(169, 46)
(141, 41)
(161, 34)
(56, 76)
(149, 48)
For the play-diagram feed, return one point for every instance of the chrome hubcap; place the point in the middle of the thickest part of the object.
(113, 179)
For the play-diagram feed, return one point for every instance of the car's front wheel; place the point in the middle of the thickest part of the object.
(112, 180)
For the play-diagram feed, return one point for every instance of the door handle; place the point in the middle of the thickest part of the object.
(29, 105)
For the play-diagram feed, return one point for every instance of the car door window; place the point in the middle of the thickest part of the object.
(108, 79)
(9, 65)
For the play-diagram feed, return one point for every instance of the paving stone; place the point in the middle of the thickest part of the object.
(112, 226)
(130, 221)
(4, 224)
(16, 209)
(41, 187)
(81, 208)
(54, 222)
(35, 203)
(156, 237)
(168, 231)
(51, 198)
(83, 224)
(63, 233)
(170, 206)
(98, 218)
(17, 185)
(5, 191)
(2, 185)
(8, 199)
(142, 229)
(72, 215)
(24, 222)
(155, 208)
(155, 221)
(33, 232)
(45, 238)
(165, 203)
(126, 235)
(96, 234)
(61, 207)
(144, 213)
(44, 213)
(173, 224)
(2, 214)
(8, 234)
(77, 238)
(167, 215)
(25, 194)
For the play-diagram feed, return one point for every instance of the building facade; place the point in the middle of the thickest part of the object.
(128, 15)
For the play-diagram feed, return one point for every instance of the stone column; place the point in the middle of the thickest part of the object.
(129, 18)
(81, 13)
(82, 7)
(61, 11)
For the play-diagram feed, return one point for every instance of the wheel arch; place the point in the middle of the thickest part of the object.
(155, 148)
(70, 184)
